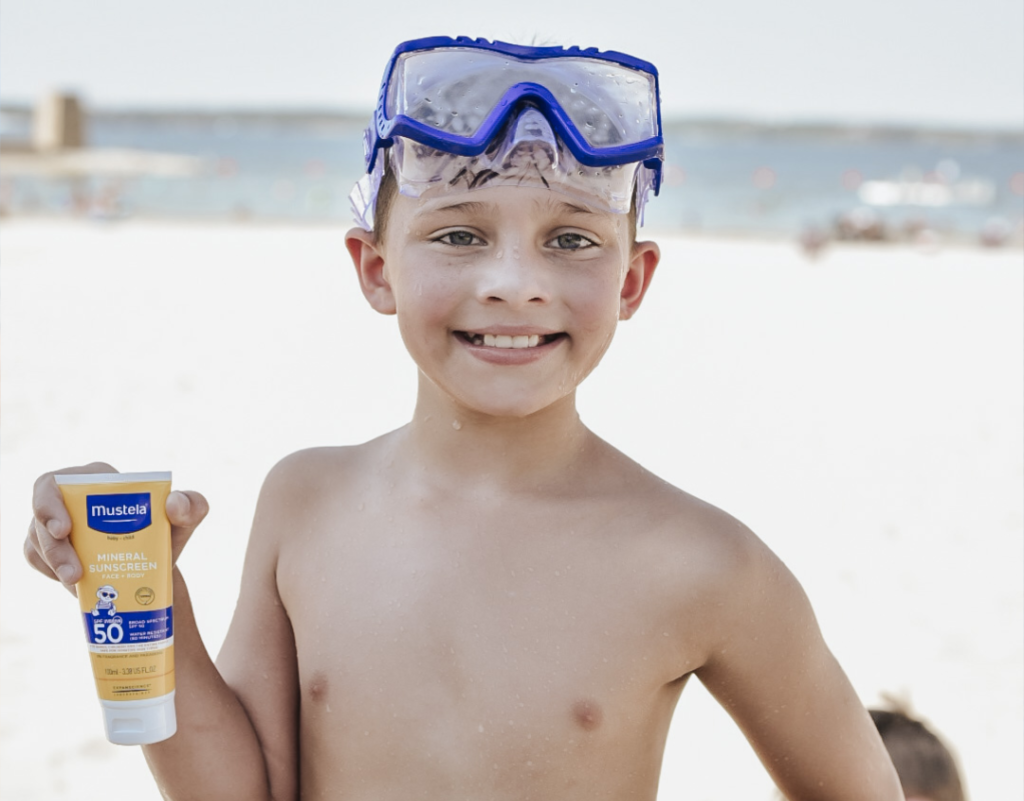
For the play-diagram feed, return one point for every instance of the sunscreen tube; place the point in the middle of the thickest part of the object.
(120, 531)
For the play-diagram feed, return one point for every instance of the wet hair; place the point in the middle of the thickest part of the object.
(389, 188)
(926, 767)
(385, 196)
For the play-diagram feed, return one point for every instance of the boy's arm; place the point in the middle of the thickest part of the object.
(241, 720)
(231, 743)
(773, 673)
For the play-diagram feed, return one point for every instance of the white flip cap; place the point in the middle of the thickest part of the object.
(140, 722)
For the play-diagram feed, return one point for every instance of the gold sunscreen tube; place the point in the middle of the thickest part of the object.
(120, 531)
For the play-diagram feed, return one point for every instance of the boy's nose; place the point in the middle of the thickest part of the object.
(513, 278)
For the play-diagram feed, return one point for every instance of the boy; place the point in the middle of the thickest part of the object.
(492, 602)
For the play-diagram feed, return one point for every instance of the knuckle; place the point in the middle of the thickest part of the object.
(39, 482)
(50, 549)
(36, 562)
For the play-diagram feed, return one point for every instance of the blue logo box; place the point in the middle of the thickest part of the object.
(120, 513)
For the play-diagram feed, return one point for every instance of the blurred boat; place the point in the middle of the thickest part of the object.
(927, 193)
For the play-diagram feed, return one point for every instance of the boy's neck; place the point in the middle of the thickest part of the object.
(504, 452)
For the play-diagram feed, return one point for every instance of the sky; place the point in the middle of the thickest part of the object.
(928, 62)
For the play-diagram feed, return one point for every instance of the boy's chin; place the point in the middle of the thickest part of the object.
(501, 406)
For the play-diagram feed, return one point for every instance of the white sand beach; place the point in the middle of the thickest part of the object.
(863, 413)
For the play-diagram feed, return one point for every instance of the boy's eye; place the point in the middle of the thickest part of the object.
(570, 241)
(458, 238)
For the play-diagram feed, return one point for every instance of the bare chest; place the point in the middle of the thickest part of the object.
(465, 647)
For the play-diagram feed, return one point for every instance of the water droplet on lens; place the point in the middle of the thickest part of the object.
(456, 425)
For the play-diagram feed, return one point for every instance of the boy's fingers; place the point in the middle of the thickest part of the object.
(51, 556)
(47, 547)
(32, 553)
(186, 510)
(48, 507)
(48, 504)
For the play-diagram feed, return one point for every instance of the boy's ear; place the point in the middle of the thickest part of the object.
(642, 263)
(368, 258)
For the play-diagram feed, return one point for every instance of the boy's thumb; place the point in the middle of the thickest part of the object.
(185, 510)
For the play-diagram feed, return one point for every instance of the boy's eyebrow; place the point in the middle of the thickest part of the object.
(564, 205)
(481, 207)
(472, 206)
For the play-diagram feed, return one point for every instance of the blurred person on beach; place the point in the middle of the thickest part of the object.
(492, 601)
(925, 765)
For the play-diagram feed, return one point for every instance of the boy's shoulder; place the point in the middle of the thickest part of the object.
(310, 467)
(301, 482)
(679, 540)
(702, 563)
(651, 509)
(673, 514)
(312, 470)
(693, 537)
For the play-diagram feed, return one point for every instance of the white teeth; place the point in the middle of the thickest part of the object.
(504, 341)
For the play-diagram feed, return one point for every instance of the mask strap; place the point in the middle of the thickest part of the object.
(363, 197)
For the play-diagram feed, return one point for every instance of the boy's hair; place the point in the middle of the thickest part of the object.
(926, 767)
(389, 188)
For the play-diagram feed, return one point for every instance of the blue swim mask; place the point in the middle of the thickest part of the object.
(459, 114)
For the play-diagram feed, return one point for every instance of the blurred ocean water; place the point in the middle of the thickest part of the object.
(721, 177)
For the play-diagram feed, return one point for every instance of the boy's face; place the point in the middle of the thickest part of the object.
(470, 274)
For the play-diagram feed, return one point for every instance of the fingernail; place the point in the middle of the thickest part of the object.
(65, 573)
(53, 527)
(181, 499)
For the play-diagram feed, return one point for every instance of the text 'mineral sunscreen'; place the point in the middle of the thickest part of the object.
(120, 531)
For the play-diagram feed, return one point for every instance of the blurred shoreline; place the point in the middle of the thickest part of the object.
(815, 183)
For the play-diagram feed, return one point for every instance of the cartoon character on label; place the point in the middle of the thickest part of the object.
(106, 595)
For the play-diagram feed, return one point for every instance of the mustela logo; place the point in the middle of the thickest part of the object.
(120, 513)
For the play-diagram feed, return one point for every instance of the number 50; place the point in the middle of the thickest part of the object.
(103, 632)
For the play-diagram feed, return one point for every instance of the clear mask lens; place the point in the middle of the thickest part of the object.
(455, 89)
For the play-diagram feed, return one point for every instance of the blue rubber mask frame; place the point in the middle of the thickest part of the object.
(649, 151)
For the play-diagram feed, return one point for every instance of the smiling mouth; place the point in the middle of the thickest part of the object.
(505, 341)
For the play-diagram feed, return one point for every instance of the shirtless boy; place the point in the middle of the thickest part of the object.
(492, 602)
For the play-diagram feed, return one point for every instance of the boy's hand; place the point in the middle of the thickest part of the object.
(47, 547)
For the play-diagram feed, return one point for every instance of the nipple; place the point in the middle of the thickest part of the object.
(318, 687)
(587, 714)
